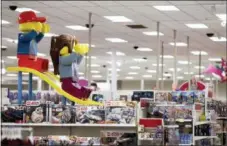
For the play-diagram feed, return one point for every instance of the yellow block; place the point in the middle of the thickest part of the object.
(53, 85)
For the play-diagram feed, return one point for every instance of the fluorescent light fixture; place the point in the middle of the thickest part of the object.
(153, 33)
(11, 75)
(144, 49)
(134, 67)
(3, 71)
(183, 62)
(221, 16)
(118, 63)
(96, 76)
(95, 71)
(88, 44)
(11, 40)
(12, 57)
(110, 69)
(199, 52)
(76, 27)
(166, 8)
(159, 64)
(199, 67)
(129, 78)
(118, 18)
(95, 65)
(132, 73)
(186, 73)
(81, 73)
(116, 40)
(167, 74)
(218, 39)
(26, 9)
(41, 54)
(178, 44)
(92, 57)
(167, 56)
(197, 26)
(201, 76)
(50, 35)
(111, 75)
(147, 76)
(82, 77)
(209, 79)
(2, 61)
(140, 60)
(161, 79)
(172, 69)
(180, 77)
(151, 71)
(214, 59)
(117, 53)
(5, 22)
(25, 73)
(3, 47)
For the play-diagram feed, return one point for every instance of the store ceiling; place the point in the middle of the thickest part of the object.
(63, 13)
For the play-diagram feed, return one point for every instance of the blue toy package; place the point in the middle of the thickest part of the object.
(97, 97)
(137, 95)
(187, 97)
(199, 96)
(176, 96)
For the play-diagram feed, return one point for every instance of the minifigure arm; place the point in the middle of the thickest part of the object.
(79, 59)
(28, 36)
(39, 37)
(68, 60)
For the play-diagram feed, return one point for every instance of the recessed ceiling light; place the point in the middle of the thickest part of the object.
(183, 62)
(81, 73)
(199, 67)
(50, 35)
(5, 22)
(201, 76)
(110, 69)
(218, 39)
(76, 27)
(3, 71)
(144, 49)
(134, 67)
(147, 76)
(93, 46)
(117, 53)
(118, 63)
(214, 59)
(132, 73)
(111, 75)
(129, 78)
(197, 26)
(199, 52)
(140, 60)
(95, 71)
(166, 8)
(12, 57)
(151, 71)
(209, 79)
(159, 64)
(95, 65)
(3, 47)
(116, 40)
(153, 33)
(26, 9)
(41, 54)
(180, 77)
(186, 73)
(11, 75)
(2, 61)
(221, 16)
(96, 76)
(118, 18)
(167, 56)
(178, 44)
(92, 57)
(161, 79)
(167, 74)
(172, 69)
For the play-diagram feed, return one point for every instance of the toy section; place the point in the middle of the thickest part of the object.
(73, 114)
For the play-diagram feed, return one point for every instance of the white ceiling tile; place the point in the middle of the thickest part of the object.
(55, 3)
(176, 3)
(106, 3)
(81, 3)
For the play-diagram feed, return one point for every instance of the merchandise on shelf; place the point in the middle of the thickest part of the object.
(173, 137)
(88, 141)
(12, 113)
(142, 94)
(62, 114)
(40, 141)
(61, 140)
(116, 138)
(90, 114)
(119, 112)
(163, 96)
(36, 112)
(218, 106)
(97, 97)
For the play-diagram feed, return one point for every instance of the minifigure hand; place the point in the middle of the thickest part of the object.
(45, 28)
(81, 49)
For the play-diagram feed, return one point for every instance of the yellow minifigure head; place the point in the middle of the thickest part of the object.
(29, 21)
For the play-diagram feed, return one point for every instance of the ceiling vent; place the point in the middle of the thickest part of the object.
(137, 26)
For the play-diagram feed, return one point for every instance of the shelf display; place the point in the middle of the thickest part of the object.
(142, 94)
(12, 113)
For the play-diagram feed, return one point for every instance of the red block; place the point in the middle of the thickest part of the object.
(151, 122)
(39, 64)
